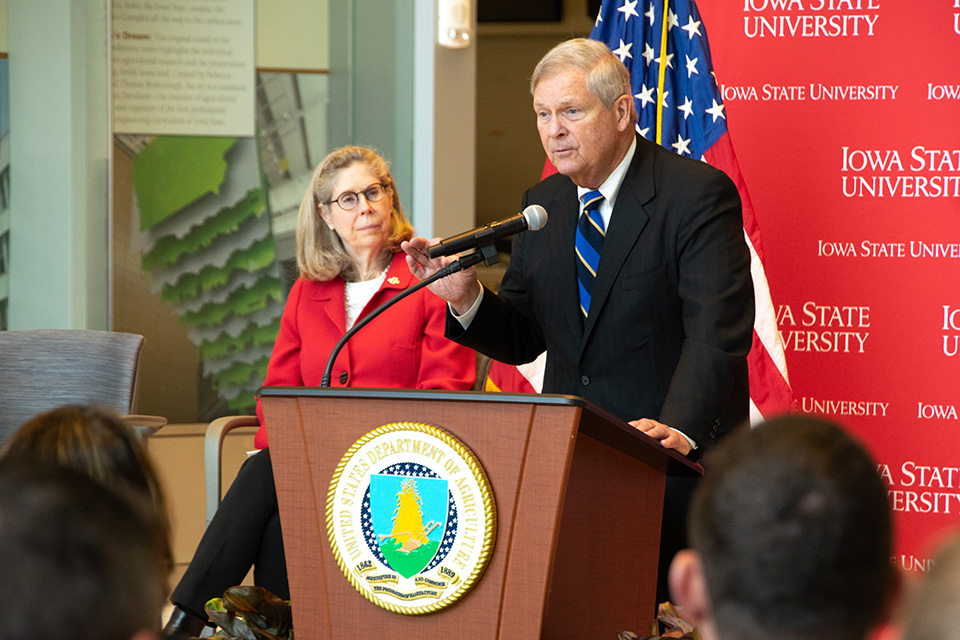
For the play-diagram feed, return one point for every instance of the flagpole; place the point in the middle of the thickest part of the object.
(663, 73)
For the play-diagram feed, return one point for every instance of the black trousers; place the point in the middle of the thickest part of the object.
(244, 532)
(673, 528)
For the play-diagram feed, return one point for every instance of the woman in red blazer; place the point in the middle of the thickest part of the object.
(349, 231)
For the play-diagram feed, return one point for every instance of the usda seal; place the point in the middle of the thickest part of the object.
(411, 518)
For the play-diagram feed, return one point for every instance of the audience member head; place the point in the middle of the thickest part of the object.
(93, 441)
(791, 537)
(933, 612)
(79, 560)
(323, 252)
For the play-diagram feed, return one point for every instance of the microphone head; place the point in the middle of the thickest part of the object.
(536, 217)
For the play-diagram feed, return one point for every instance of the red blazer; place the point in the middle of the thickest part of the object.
(403, 348)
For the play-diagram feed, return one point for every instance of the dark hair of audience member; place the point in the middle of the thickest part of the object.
(793, 527)
(92, 440)
(79, 560)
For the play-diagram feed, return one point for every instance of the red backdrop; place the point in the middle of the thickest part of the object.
(845, 116)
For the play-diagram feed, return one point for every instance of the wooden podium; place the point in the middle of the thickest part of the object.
(579, 496)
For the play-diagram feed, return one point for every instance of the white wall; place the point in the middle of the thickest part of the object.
(59, 164)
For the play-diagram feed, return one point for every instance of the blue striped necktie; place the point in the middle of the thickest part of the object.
(590, 234)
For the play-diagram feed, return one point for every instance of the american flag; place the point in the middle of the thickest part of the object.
(679, 106)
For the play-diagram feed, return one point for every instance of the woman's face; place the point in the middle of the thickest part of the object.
(364, 228)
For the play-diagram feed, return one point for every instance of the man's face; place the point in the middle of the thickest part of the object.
(582, 139)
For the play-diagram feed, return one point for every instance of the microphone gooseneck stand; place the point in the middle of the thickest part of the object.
(486, 253)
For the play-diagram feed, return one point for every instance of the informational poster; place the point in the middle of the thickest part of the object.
(844, 118)
(183, 67)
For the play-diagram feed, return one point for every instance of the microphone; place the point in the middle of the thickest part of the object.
(533, 218)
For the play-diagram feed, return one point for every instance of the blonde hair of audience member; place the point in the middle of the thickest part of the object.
(933, 609)
(320, 252)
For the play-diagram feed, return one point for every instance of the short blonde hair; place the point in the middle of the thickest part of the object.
(320, 252)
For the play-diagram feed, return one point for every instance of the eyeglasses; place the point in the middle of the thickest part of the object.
(350, 199)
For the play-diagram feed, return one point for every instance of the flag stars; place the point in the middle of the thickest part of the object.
(682, 146)
(648, 53)
(672, 20)
(692, 27)
(623, 51)
(669, 60)
(628, 9)
(651, 13)
(599, 18)
(691, 66)
(716, 111)
(645, 96)
(686, 108)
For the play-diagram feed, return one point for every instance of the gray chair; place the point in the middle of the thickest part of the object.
(48, 368)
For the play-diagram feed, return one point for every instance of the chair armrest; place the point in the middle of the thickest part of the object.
(212, 458)
(143, 424)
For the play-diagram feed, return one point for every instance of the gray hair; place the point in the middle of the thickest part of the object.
(607, 77)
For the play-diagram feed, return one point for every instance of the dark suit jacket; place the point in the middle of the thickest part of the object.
(671, 317)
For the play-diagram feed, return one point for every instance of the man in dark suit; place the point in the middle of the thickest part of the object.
(659, 336)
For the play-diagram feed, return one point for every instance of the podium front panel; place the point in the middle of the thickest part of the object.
(576, 518)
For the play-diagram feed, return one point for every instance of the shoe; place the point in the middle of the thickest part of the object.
(183, 625)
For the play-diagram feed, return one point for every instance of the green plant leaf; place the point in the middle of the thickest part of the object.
(251, 613)
(258, 604)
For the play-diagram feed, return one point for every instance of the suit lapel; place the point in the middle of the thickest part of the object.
(564, 211)
(397, 279)
(330, 293)
(628, 220)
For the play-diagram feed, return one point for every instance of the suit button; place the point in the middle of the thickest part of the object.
(584, 380)
(344, 377)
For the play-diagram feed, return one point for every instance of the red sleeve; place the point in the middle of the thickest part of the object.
(444, 364)
(284, 366)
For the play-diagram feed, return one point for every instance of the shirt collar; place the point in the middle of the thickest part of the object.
(611, 186)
